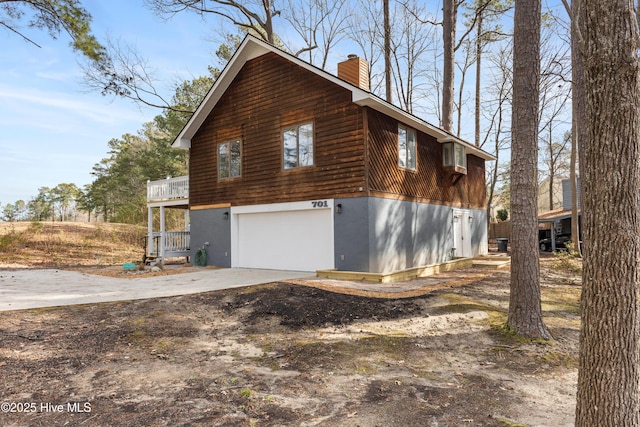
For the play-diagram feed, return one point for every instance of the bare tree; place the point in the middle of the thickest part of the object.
(501, 90)
(525, 311)
(555, 92)
(479, 46)
(483, 13)
(367, 34)
(124, 73)
(609, 359)
(579, 112)
(554, 160)
(255, 16)
(321, 24)
(409, 44)
(554, 76)
(450, 45)
(469, 59)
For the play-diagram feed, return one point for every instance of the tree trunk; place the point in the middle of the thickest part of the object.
(552, 166)
(387, 52)
(573, 178)
(525, 311)
(579, 120)
(575, 214)
(552, 182)
(492, 189)
(609, 370)
(478, 74)
(449, 34)
(268, 22)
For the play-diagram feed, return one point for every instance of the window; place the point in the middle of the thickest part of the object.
(454, 156)
(297, 144)
(406, 147)
(229, 159)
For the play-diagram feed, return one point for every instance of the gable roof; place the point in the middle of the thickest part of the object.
(252, 47)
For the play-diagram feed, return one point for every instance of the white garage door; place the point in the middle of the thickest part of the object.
(286, 240)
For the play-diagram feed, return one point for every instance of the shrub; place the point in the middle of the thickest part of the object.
(568, 260)
(11, 240)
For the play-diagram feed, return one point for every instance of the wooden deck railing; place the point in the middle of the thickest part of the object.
(176, 243)
(168, 189)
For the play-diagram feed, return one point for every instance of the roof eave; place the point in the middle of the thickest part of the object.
(182, 143)
(363, 98)
(248, 49)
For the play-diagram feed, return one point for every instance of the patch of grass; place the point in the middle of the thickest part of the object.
(353, 356)
(562, 322)
(258, 288)
(364, 368)
(558, 359)
(427, 372)
(561, 299)
(462, 304)
(164, 345)
(509, 423)
(391, 345)
(139, 334)
(62, 244)
(509, 336)
(41, 310)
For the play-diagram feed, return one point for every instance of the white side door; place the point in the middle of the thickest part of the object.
(461, 233)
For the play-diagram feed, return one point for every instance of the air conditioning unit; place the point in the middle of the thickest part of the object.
(454, 158)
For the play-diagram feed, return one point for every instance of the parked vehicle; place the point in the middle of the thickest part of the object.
(561, 240)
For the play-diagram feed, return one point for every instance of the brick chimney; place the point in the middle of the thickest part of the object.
(355, 70)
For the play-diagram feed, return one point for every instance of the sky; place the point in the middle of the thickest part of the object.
(52, 129)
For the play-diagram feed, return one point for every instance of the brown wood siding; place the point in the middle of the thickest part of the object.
(268, 94)
(428, 182)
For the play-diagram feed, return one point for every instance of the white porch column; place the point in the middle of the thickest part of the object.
(162, 231)
(150, 230)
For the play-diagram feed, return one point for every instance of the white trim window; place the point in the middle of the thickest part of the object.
(297, 146)
(407, 147)
(229, 159)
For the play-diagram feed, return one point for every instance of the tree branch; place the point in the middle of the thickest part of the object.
(27, 39)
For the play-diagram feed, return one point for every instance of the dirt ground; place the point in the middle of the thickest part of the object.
(284, 354)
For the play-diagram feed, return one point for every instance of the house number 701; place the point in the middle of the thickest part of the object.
(320, 204)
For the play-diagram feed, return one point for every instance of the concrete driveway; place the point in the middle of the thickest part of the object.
(23, 289)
